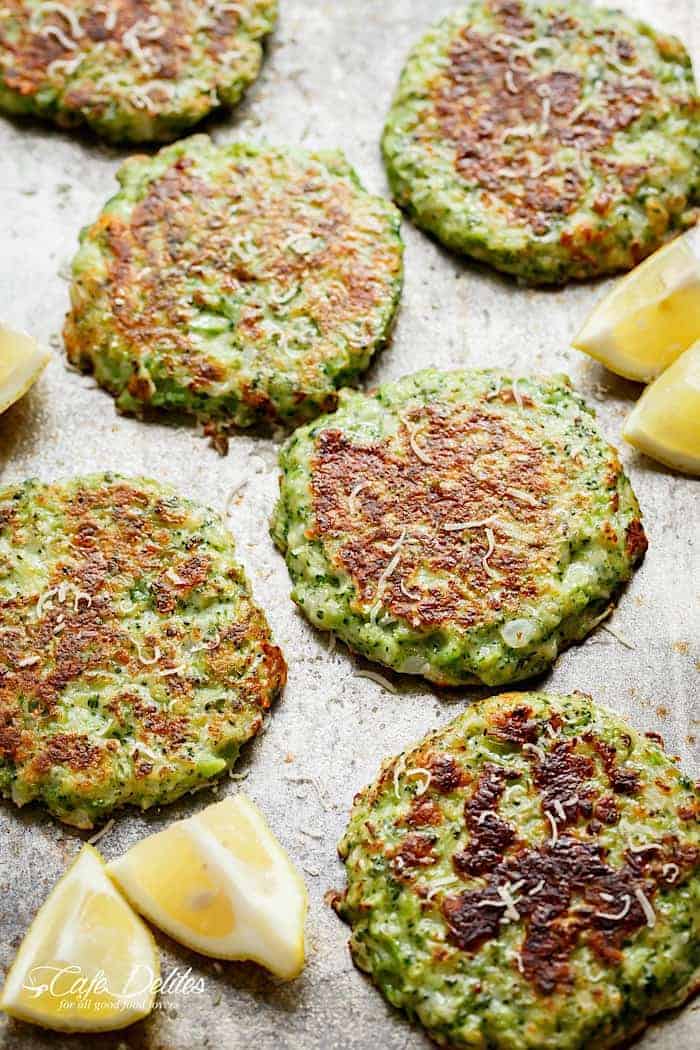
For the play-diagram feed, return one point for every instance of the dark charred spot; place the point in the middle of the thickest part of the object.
(11, 738)
(490, 836)
(608, 954)
(415, 851)
(471, 921)
(515, 726)
(656, 738)
(623, 780)
(162, 725)
(513, 17)
(422, 812)
(445, 774)
(73, 750)
(551, 879)
(546, 950)
(636, 540)
(605, 810)
(563, 778)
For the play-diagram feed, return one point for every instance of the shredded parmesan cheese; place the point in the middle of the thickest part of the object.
(373, 676)
(66, 43)
(310, 834)
(408, 594)
(536, 889)
(670, 872)
(460, 526)
(615, 916)
(511, 913)
(314, 782)
(510, 82)
(617, 636)
(354, 493)
(524, 497)
(98, 836)
(415, 447)
(168, 671)
(144, 660)
(419, 771)
(646, 907)
(237, 488)
(65, 66)
(61, 593)
(487, 814)
(535, 750)
(441, 884)
(553, 824)
(559, 809)
(209, 646)
(485, 560)
(28, 661)
(70, 16)
(387, 572)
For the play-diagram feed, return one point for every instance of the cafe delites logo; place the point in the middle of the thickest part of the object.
(76, 991)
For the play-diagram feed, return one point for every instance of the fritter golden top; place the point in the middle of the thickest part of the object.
(132, 69)
(134, 661)
(235, 282)
(457, 517)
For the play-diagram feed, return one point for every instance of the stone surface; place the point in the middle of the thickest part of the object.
(327, 82)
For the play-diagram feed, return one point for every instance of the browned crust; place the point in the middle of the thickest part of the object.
(471, 465)
(553, 876)
(33, 51)
(487, 90)
(185, 229)
(118, 531)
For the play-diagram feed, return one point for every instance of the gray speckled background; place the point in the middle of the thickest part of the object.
(328, 80)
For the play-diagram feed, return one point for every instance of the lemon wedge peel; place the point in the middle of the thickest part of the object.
(665, 422)
(651, 316)
(22, 361)
(87, 963)
(221, 884)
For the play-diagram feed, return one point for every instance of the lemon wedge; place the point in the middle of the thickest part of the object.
(87, 963)
(221, 884)
(665, 422)
(22, 361)
(651, 317)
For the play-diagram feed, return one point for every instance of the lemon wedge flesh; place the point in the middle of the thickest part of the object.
(665, 422)
(221, 884)
(87, 963)
(22, 361)
(651, 317)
